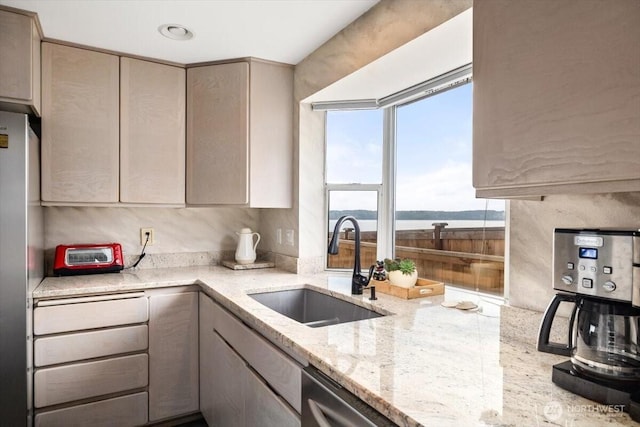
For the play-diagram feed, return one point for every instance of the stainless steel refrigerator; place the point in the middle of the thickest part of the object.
(21, 263)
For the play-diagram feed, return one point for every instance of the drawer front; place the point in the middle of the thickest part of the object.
(282, 373)
(88, 345)
(125, 411)
(89, 315)
(84, 380)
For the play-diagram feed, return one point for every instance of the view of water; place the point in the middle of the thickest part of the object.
(370, 225)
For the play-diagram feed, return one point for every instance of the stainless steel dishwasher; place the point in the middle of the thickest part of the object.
(327, 404)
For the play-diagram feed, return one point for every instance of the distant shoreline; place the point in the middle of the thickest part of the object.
(474, 215)
(424, 225)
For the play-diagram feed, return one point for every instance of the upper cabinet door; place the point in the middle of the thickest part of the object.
(218, 134)
(271, 142)
(152, 133)
(556, 97)
(80, 125)
(239, 134)
(19, 63)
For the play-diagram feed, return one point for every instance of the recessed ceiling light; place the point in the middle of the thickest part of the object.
(175, 32)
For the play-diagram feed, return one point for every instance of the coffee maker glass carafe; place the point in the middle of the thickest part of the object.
(605, 339)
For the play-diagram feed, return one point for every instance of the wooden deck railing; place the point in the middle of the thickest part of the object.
(470, 258)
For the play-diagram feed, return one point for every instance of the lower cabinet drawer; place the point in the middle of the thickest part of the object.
(124, 411)
(53, 319)
(84, 380)
(89, 345)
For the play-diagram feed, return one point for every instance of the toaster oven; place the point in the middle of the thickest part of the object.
(88, 259)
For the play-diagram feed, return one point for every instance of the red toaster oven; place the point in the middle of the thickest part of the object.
(88, 259)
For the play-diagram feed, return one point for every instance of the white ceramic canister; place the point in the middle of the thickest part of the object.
(246, 251)
(397, 278)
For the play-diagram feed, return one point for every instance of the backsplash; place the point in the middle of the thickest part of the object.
(187, 236)
(531, 234)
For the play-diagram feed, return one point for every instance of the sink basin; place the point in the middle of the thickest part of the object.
(313, 308)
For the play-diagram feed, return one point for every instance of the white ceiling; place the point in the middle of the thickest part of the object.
(279, 30)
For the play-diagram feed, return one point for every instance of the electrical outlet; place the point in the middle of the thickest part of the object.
(279, 236)
(143, 236)
(288, 236)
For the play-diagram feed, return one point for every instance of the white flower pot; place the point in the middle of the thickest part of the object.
(403, 280)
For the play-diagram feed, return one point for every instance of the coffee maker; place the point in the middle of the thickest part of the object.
(598, 272)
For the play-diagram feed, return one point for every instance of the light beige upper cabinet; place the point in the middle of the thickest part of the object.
(152, 132)
(113, 129)
(239, 134)
(556, 97)
(80, 125)
(19, 63)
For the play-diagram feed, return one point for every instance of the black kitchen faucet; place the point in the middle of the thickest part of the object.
(358, 281)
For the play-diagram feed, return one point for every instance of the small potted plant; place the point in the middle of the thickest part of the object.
(401, 272)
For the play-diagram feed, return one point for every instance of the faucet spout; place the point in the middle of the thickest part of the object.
(358, 281)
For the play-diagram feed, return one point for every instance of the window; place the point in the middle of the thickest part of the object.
(362, 205)
(354, 147)
(404, 172)
(354, 180)
(452, 236)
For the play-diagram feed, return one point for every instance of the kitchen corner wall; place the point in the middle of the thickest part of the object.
(186, 236)
(531, 234)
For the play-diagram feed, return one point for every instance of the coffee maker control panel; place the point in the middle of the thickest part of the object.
(598, 263)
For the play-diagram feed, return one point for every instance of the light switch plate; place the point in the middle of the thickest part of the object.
(288, 237)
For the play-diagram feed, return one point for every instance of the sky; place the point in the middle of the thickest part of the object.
(433, 154)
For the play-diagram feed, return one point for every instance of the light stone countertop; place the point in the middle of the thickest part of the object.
(422, 365)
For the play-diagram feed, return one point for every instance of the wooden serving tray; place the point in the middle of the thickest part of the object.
(423, 288)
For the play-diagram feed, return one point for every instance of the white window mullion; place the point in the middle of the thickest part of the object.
(386, 210)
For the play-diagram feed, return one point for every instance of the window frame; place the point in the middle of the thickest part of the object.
(386, 189)
(350, 187)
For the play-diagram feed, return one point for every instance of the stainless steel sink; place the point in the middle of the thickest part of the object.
(313, 308)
